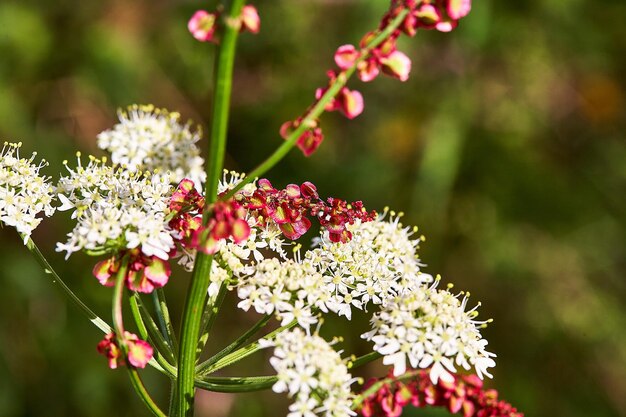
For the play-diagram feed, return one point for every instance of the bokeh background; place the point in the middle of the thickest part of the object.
(507, 147)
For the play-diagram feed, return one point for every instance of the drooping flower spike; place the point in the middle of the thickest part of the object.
(370, 61)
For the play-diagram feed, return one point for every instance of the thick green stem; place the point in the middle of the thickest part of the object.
(318, 108)
(93, 317)
(197, 293)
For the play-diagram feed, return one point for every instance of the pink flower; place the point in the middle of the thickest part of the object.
(309, 140)
(250, 20)
(228, 220)
(145, 273)
(202, 25)
(458, 9)
(346, 56)
(139, 351)
(397, 65)
(463, 395)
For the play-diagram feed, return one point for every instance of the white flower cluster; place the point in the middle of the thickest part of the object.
(116, 208)
(309, 369)
(379, 263)
(288, 289)
(430, 328)
(23, 192)
(148, 138)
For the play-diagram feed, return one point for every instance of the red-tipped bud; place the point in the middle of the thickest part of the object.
(397, 65)
(346, 56)
(250, 20)
(309, 190)
(202, 25)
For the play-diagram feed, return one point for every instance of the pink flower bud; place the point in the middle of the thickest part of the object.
(310, 140)
(350, 102)
(428, 16)
(458, 8)
(368, 70)
(345, 56)
(397, 65)
(139, 351)
(250, 20)
(202, 26)
(446, 25)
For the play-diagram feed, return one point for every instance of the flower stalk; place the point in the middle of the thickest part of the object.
(197, 293)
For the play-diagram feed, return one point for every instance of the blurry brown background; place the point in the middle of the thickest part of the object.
(507, 147)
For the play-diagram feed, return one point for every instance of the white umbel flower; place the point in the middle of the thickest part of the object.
(148, 138)
(313, 373)
(116, 209)
(289, 289)
(378, 263)
(23, 192)
(430, 328)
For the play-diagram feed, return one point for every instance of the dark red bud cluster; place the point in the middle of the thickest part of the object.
(465, 396)
(228, 220)
(292, 207)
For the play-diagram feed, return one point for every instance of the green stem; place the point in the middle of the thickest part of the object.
(362, 360)
(236, 384)
(118, 325)
(245, 351)
(163, 315)
(318, 108)
(150, 326)
(208, 318)
(234, 345)
(197, 292)
(93, 317)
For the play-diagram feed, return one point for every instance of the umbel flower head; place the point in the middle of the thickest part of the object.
(429, 328)
(23, 192)
(313, 373)
(116, 209)
(152, 139)
(377, 264)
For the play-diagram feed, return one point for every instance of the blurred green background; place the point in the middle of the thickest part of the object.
(506, 146)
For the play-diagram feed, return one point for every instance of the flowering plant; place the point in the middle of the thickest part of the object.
(156, 201)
